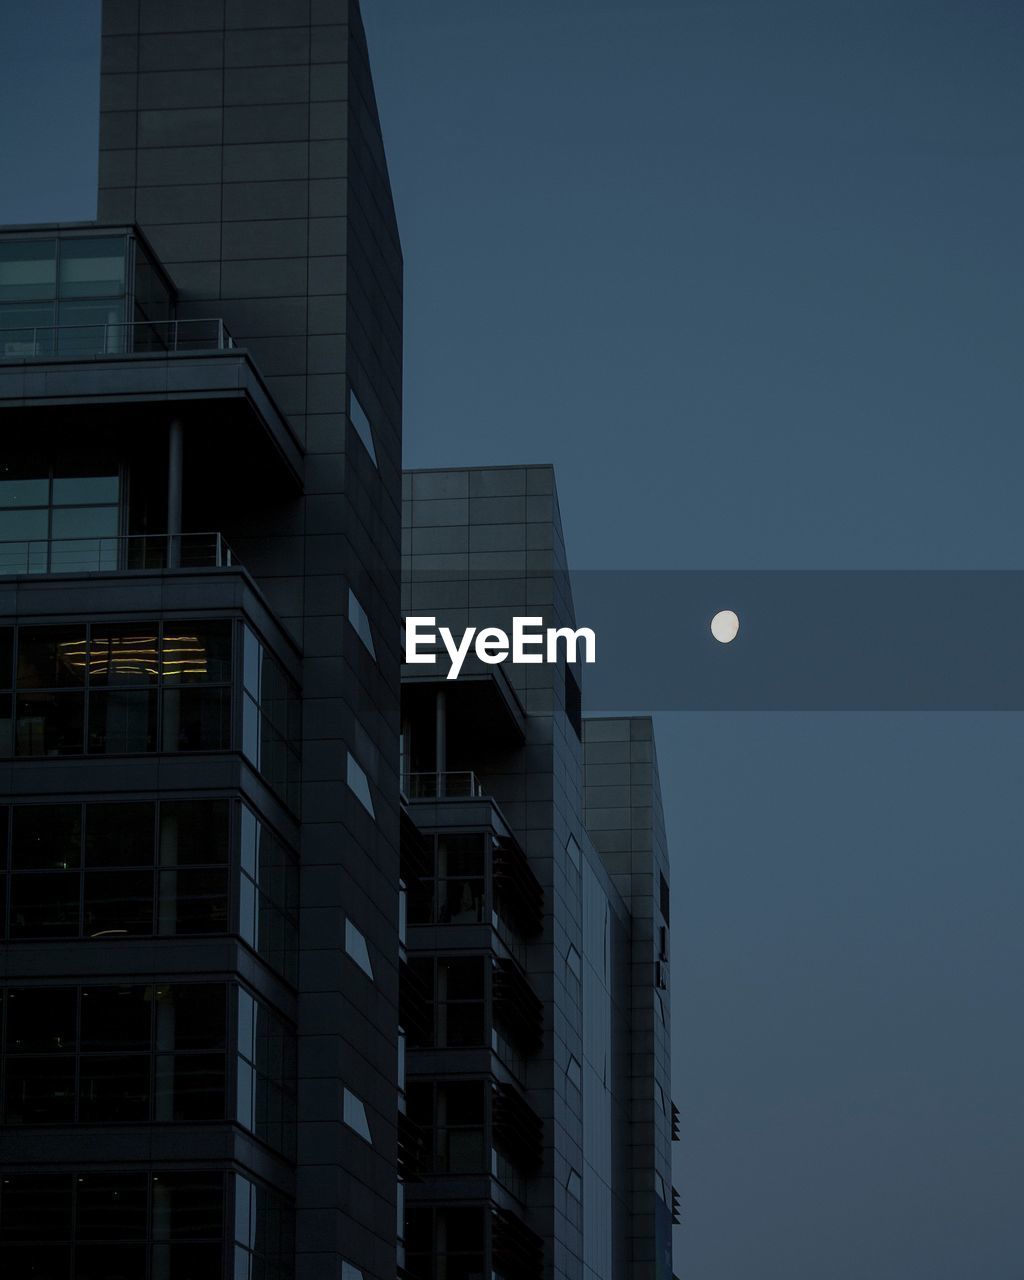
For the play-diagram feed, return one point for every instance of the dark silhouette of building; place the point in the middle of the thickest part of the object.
(223, 1054)
(535, 980)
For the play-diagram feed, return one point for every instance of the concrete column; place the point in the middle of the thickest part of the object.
(175, 445)
(440, 737)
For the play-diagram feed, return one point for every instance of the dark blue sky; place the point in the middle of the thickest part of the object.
(749, 273)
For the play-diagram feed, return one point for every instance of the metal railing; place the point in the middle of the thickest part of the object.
(115, 338)
(115, 554)
(443, 786)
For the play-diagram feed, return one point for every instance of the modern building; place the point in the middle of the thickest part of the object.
(309, 969)
(200, 519)
(537, 881)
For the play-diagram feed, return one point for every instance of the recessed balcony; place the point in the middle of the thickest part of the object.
(144, 552)
(92, 340)
(114, 337)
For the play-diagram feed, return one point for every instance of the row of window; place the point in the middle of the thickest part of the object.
(132, 688)
(466, 1243)
(143, 868)
(147, 1225)
(137, 1054)
(476, 879)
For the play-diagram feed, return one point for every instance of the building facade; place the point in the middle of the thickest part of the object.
(200, 513)
(309, 968)
(537, 880)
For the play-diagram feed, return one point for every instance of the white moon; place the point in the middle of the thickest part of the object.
(725, 626)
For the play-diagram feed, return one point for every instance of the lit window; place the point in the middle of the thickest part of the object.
(361, 423)
(574, 1185)
(355, 945)
(360, 622)
(354, 1115)
(349, 1272)
(359, 784)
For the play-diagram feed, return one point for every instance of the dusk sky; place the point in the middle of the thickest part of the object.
(748, 272)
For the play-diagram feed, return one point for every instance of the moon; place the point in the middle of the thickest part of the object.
(725, 626)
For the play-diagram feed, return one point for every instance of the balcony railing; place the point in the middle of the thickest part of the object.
(115, 555)
(116, 338)
(443, 786)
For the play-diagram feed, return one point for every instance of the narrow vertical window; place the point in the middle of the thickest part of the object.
(361, 423)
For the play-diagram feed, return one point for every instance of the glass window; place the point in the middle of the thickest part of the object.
(359, 784)
(354, 1115)
(196, 652)
(190, 1087)
(84, 485)
(360, 622)
(113, 1090)
(196, 1012)
(28, 269)
(45, 906)
(122, 721)
(119, 835)
(6, 657)
(24, 524)
(188, 1206)
(24, 479)
(118, 903)
(50, 724)
(112, 1206)
(361, 423)
(92, 266)
(116, 1019)
(88, 328)
(42, 1020)
(39, 1090)
(79, 522)
(27, 329)
(193, 832)
(193, 901)
(46, 837)
(196, 719)
(123, 655)
(51, 657)
(35, 1207)
(355, 945)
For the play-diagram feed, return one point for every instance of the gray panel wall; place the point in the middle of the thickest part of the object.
(242, 135)
(478, 547)
(624, 818)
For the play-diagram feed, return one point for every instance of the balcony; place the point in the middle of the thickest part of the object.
(90, 341)
(115, 338)
(141, 552)
(460, 785)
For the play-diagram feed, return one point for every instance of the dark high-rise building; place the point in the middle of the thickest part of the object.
(309, 969)
(535, 982)
(200, 522)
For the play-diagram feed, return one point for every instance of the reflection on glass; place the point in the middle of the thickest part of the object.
(91, 266)
(28, 269)
(196, 652)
